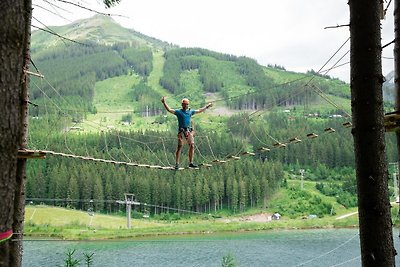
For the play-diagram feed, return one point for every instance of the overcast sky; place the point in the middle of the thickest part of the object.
(289, 33)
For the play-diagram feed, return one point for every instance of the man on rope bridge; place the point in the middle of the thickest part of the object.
(185, 131)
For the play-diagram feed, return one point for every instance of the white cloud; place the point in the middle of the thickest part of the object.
(289, 33)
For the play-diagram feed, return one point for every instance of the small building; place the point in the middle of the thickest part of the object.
(276, 216)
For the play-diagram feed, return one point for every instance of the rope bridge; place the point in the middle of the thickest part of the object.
(41, 154)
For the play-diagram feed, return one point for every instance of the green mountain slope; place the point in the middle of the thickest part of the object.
(111, 50)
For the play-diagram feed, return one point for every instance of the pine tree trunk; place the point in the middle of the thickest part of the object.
(396, 52)
(14, 44)
(19, 201)
(369, 136)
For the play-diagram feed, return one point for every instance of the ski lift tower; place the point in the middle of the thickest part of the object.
(130, 200)
(302, 178)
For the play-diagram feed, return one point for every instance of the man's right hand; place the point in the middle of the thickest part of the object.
(166, 106)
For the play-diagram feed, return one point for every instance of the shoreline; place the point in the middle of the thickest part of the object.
(188, 234)
(184, 228)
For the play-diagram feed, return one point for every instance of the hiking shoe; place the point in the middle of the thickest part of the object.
(176, 167)
(191, 165)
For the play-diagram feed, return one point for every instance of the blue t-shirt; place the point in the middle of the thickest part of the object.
(184, 117)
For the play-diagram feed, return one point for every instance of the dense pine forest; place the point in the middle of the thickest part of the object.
(94, 83)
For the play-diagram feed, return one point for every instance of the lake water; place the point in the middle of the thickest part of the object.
(333, 247)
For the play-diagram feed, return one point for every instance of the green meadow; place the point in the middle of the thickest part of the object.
(61, 223)
(43, 221)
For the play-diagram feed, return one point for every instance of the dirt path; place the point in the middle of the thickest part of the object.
(266, 217)
(346, 215)
(261, 217)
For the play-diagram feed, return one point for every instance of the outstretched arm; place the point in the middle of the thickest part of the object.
(203, 108)
(166, 106)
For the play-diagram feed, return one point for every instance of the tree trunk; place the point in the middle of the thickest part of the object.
(14, 44)
(396, 51)
(369, 136)
(19, 201)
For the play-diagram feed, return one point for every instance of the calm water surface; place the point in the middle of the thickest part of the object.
(333, 247)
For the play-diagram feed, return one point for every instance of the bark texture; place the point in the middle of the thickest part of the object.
(15, 18)
(397, 74)
(368, 131)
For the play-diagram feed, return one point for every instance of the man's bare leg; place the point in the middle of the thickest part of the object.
(191, 153)
(178, 153)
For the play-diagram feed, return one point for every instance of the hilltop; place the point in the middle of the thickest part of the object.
(97, 29)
